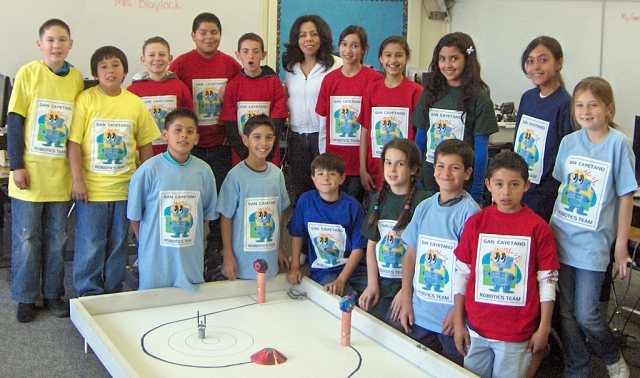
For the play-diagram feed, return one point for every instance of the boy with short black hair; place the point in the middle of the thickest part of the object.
(40, 113)
(109, 124)
(507, 269)
(170, 196)
(330, 221)
(160, 89)
(206, 71)
(257, 90)
(426, 313)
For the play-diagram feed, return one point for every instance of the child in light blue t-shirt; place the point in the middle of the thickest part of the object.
(170, 196)
(427, 288)
(253, 199)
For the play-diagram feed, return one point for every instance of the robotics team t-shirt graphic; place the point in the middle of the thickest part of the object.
(329, 242)
(447, 124)
(502, 268)
(261, 219)
(581, 192)
(111, 146)
(207, 99)
(248, 109)
(390, 250)
(159, 107)
(530, 144)
(388, 123)
(435, 263)
(178, 218)
(50, 128)
(343, 124)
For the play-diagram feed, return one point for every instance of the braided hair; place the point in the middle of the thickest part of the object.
(412, 153)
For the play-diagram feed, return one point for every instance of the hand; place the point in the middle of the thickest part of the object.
(621, 256)
(21, 178)
(461, 337)
(396, 307)
(367, 181)
(294, 276)
(79, 191)
(447, 324)
(369, 296)
(406, 317)
(538, 341)
(336, 287)
(229, 267)
(283, 260)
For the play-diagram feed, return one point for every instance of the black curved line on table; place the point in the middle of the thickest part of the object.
(181, 320)
(359, 362)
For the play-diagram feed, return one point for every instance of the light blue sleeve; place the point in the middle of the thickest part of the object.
(135, 200)
(229, 197)
(410, 233)
(481, 152)
(210, 197)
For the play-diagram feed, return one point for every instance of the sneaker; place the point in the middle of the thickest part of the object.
(26, 312)
(618, 369)
(58, 307)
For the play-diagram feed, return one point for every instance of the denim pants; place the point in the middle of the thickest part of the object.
(353, 187)
(354, 286)
(302, 149)
(497, 359)
(100, 256)
(581, 317)
(38, 234)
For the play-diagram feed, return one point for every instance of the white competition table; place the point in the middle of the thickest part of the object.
(153, 333)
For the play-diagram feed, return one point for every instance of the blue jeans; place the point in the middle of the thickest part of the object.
(497, 359)
(100, 257)
(38, 234)
(581, 317)
(302, 149)
(353, 187)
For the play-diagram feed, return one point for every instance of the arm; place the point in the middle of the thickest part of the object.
(460, 330)
(322, 136)
(481, 151)
(541, 335)
(135, 225)
(406, 312)
(282, 258)
(337, 287)
(365, 177)
(146, 152)
(228, 260)
(294, 276)
(372, 293)
(621, 255)
(79, 187)
(15, 150)
(235, 139)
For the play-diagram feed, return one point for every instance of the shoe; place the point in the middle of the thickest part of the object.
(618, 369)
(58, 307)
(26, 312)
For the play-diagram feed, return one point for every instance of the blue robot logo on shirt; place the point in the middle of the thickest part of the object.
(326, 248)
(441, 131)
(208, 102)
(158, 113)
(433, 273)
(262, 224)
(346, 123)
(387, 130)
(178, 219)
(527, 148)
(246, 116)
(391, 250)
(578, 194)
(111, 146)
(53, 128)
(501, 270)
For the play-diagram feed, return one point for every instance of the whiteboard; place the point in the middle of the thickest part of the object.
(125, 24)
(621, 60)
